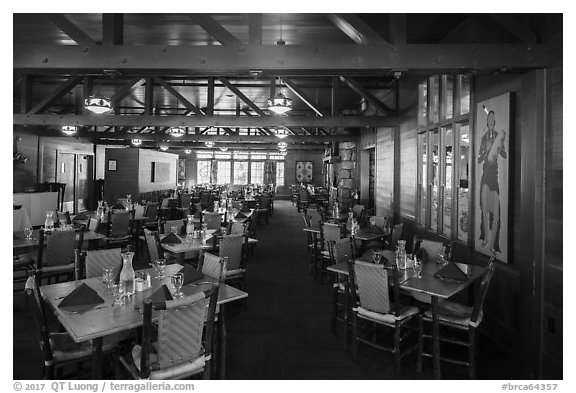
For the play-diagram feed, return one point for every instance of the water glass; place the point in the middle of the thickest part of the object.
(178, 281)
(160, 265)
(28, 232)
(118, 291)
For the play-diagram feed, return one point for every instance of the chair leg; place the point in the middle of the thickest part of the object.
(420, 344)
(472, 353)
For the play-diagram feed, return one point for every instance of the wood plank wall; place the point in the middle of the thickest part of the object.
(384, 171)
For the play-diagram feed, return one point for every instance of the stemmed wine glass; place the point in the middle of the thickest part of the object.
(178, 281)
(160, 265)
(28, 232)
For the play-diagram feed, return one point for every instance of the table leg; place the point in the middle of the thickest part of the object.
(97, 358)
(222, 340)
(435, 338)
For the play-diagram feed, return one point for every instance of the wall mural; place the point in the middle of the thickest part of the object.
(492, 143)
(304, 171)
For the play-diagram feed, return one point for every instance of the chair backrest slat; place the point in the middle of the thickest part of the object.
(97, 260)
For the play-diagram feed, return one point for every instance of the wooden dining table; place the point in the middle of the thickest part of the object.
(436, 288)
(107, 319)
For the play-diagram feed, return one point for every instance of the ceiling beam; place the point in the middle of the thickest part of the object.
(214, 28)
(372, 99)
(356, 29)
(58, 93)
(127, 89)
(302, 96)
(255, 29)
(240, 59)
(113, 29)
(205, 121)
(71, 30)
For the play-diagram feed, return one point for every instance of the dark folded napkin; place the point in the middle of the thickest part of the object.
(240, 215)
(451, 272)
(161, 295)
(190, 274)
(81, 299)
(171, 238)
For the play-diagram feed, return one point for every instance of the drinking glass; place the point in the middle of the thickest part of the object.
(160, 265)
(377, 257)
(28, 232)
(418, 267)
(178, 281)
(118, 291)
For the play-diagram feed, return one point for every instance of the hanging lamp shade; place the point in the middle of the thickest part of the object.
(98, 104)
(177, 131)
(69, 130)
(280, 104)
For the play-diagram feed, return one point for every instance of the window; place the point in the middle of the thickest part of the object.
(240, 172)
(223, 172)
(203, 172)
(279, 173)
(444, 155)
(257, 172)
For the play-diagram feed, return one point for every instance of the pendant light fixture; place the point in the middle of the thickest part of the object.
(69, 130)
(98, 104)
(136, 142)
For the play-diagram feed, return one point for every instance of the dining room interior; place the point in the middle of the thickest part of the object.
(294, 196)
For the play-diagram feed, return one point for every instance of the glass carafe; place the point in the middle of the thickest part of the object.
(49, 222)
(401, 255)
(127, 274)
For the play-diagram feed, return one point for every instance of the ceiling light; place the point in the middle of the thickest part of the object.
(280, 132)
(163, 147)
(136, 142)
(177, 131)
(209, 144)
(280, 104)
(98, 104)
(187, 151)
(223, 148)
(69, 130)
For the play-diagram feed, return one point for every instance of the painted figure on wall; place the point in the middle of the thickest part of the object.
(492, 146)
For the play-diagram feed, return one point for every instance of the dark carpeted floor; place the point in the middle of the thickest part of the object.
(285, 333)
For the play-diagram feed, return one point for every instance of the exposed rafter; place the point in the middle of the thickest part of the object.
(238, 59)
(205, 121)
(355, 28)
(71, 30)
(214, 28)
(56, 95)
(371, 98)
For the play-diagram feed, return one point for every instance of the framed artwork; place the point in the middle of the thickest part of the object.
(112, 165)
(304, 171)
(492, 180)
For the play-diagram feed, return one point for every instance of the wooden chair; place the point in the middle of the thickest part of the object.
(183, 347)
(119, 231)
(370, 289)
(341, 251)
(58, 349)
(456, 317)
(57, 258)
(212, 220)
(91, 263)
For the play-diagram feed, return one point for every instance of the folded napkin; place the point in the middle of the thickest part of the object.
(81, 299)
(171, 238)
(190, 274)
(240, 215)
(161, 295)
(451, 272)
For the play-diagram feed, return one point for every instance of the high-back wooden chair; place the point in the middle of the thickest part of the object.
(454, 317)
(57, 258)
(375, 297)
(183, 347)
